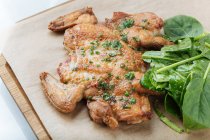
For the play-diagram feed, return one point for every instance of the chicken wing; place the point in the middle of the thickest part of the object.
(62, 23)
(63, 97)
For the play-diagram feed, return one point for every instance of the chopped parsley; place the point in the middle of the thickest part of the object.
(130, 76)
(92, 48)
(136, 39)
(107, 59)
(127, 94)
(103, 85)
(111, 86)
(106, 96)
(95, 42)
(117, 77)
(97, 52)
(124, 38)
(133, 89)
(109, 75)
(127, 23)
(115, 44)
(98, 65)
(82, 51)
(132, 101)
(106, 44)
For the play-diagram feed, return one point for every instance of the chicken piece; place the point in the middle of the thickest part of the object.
(83, 33)
(62, 23)
(102, 54)
(76, 71)
(138, 30)
(104, 69)
(147, 20)
(100, 111)
(63, 97)
(133, 109)
(109, 60)
(137, 37)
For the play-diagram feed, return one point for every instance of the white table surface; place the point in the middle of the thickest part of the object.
(13, 125)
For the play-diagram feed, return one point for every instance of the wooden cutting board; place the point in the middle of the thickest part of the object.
(31, 49)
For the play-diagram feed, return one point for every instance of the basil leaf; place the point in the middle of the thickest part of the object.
(182, 26)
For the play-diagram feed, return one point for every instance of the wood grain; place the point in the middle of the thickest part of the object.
(21, 100)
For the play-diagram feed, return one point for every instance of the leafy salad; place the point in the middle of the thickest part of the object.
(181, 72)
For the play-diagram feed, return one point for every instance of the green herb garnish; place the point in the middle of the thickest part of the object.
(124, 38)
(130, 76)
(127, 23)
(127, 94)
(132, 101)
(136, 39)
(106, 96)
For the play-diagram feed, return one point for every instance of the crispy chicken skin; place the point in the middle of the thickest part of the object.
(62, 23)
(102, 67)
(139, 37)
(81, 39)
(146, 20)
(101, 112)
(63, 97)
(138, 112)
(143, 31)
(81, 33)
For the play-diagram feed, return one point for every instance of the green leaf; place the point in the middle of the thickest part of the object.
(171, 106)
(205, 39)
(183, 45)
(145, 81)
(165, 120)
(159, 56)
(196, 104)
(176, 83)
(182, 26)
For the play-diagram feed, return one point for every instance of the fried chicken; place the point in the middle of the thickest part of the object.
(138, 30)
(104, 68)
(63, 97)
(62, 23)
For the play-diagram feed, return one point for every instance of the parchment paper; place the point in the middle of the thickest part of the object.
(31, 49)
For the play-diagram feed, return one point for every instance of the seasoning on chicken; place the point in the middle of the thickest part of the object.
(104, 69)
(138, 30)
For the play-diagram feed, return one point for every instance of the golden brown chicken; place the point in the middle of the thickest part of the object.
(138, 30)
(105, 70)
(62, 23)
